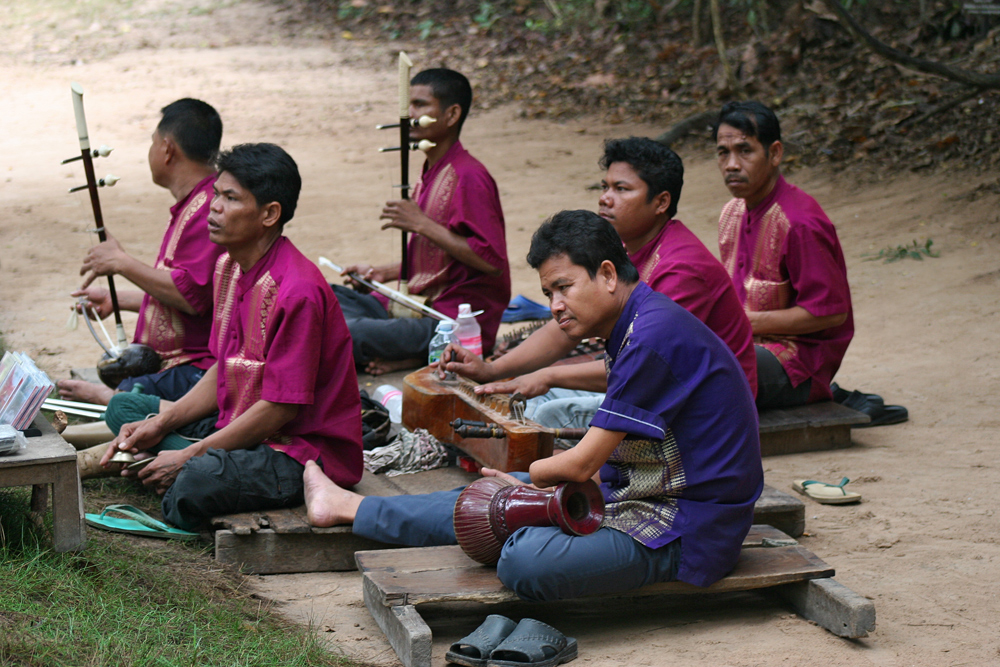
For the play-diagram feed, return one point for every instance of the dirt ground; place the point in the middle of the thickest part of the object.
(924, 543)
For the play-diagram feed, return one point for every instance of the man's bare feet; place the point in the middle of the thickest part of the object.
(86, 392)
(327, 503)
(381, 366)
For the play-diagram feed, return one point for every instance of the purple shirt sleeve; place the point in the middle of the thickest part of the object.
(475, 218)
(814, 273)
(658, 390)
(292, 360)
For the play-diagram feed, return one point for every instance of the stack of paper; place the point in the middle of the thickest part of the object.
(23, 387)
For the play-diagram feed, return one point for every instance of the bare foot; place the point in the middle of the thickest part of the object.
(86, 392)
(381, 366)
(327, 503)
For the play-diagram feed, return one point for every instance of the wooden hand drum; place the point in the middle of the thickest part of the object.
(491, 509)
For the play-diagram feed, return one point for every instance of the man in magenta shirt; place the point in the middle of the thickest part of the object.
(785, 260)
(284, 383)
(458, 250)
(642, 187)
(175, 301)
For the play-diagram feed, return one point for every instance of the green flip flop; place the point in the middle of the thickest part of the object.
(136, 522)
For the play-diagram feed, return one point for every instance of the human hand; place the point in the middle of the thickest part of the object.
(103, 259)
(98, 301)
(134, 438)
(162, 472)
(380, 274)
(404, 214)
(499, 474)
(457, 359)
(530, 385)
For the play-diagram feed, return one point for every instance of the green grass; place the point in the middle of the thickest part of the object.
(123, 601)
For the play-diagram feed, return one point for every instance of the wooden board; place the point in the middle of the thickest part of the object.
(446, 574)
(781, 510)
(395, 582)
(808, 428)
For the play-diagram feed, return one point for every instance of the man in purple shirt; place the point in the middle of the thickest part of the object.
(175, 301)
(674, 444)
(785, 261)
(284, 383)
(458, 250)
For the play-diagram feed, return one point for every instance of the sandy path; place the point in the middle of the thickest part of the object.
(924, 543)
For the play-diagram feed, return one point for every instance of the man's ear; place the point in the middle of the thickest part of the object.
(609, 274)
(452, 115)
(271, 214)
(775, 153)
(662, 202)
(170, 150)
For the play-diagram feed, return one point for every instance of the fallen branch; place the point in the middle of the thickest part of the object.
(926, 66)
(686, 126)
(941, 108)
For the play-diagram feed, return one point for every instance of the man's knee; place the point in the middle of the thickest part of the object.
(195, 494)
(521, 569)
(126, 408)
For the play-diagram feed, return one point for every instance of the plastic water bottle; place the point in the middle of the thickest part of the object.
(468, 332)
(392, 399)
(443, 335)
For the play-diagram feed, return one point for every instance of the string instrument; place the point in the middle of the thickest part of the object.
(404, 148)
(491, 428)
(120, 360)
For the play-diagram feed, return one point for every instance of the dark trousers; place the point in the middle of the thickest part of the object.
(376, 335)
(774, 388)
(537, 563)
(218, 482)
(169, 385)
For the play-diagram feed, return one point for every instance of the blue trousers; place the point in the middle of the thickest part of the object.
(169, 385)
(538, 564)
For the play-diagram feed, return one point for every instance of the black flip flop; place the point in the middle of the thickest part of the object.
(473, 649)
(533, 643)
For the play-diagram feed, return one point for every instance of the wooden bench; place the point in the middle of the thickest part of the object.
(50, 460)
(808, 428)
(282, 541)
(395, 582)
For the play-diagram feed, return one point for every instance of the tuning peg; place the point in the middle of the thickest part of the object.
(103, 151)
(423, 145)
(108, 180)
(423, 121)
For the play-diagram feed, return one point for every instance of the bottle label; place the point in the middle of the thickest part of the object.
(473, 344)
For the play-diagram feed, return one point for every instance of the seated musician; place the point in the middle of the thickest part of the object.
(458, 251)
(785, 260)
(674, 445)
(641, 191)
(175, 297)
(284, 384)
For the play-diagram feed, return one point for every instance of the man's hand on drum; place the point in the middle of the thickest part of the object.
(529, 386)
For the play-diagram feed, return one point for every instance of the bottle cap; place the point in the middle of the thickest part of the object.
(465, 310)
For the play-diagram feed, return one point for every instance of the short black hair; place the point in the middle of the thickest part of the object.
(587, 239)
(752, 119)
(660, 168)
(195, 126)
(268, 172)
(449, 87)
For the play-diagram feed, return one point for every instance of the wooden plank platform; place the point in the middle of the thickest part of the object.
(50, 460)
(808, 428)
(282, 541)
(395, 582)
